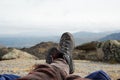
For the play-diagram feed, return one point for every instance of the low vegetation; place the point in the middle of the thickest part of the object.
(82, 67)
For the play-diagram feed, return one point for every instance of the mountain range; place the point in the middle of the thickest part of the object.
(114, 36)
(80, 38)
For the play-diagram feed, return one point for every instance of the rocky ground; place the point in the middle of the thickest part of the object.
(82, 67)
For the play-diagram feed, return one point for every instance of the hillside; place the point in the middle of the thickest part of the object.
(27, 41)
(39, 50)
(84, 37)
(114, 36)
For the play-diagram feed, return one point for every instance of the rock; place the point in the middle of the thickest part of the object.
(106, 51)
(12, 53)
(109, 50)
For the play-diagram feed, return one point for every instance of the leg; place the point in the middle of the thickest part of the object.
(99, 75)
(48, 72)
(8, 77)
(66, 46)
(59, 62)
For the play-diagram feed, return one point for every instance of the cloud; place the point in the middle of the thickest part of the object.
(18, 16)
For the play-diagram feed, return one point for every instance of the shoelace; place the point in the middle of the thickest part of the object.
(64, 46)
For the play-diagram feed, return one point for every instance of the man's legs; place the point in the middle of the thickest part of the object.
(46, 72)
(66, 46)
(59, 62)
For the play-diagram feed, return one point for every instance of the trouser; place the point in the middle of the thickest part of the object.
(8, 77)
(58, 70)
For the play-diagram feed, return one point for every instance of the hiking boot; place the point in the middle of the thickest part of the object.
(66, 46)
(53, 54)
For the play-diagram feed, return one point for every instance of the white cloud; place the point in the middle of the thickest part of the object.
(59, 15)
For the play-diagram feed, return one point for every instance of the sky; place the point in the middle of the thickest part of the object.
(53, 17)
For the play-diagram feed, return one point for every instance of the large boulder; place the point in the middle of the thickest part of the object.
(109, 50)
(12, 53)
(106, 51)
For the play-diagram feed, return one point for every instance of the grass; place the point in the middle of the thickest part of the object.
(82, 67)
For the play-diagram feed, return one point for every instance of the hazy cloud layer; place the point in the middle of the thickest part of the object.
(56, 16)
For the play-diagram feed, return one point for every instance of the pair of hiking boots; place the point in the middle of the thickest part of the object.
(66, 46)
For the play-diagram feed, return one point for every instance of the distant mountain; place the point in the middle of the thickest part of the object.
(21, 42)
(83, 37)
(113, 36)
(28, 41)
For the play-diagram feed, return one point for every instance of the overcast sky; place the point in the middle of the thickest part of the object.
(52, 17)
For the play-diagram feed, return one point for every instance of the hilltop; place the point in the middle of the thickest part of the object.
(114, 36)
(40, 49)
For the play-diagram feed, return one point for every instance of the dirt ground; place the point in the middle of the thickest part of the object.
(82, 67)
